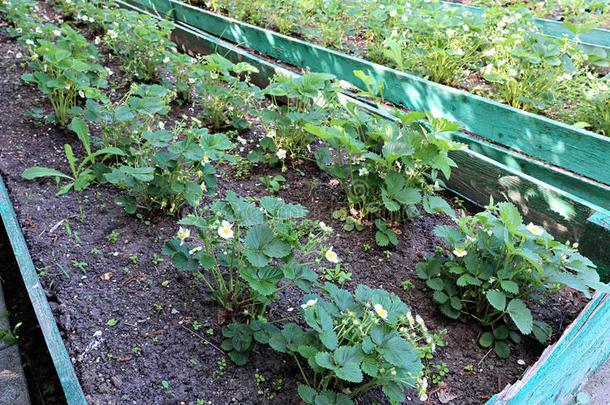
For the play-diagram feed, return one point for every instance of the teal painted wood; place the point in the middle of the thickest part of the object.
(551, 141)
(63, 365)
(562, 368)
(597, 38)
(595, 242)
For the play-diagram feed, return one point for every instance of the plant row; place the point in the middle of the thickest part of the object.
(592, 12)
(492, 267)
(500, 54)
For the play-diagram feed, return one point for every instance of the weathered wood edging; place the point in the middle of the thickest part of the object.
(61, 360)
(559, 372)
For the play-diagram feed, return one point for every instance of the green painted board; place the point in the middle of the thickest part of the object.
(63, 365)
(594, 243)
(542, 138)
(477, 176)
(562, 367)
(597, 38)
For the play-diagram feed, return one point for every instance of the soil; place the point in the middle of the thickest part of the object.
(155, 305)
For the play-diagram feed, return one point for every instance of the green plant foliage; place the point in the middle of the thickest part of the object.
(246, 249)
(64, 68)
(368, 338)
(497, 268)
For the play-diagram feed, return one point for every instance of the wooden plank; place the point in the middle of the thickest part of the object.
(562, 367)
(63, 365)
(595, 242)
(551, 141)
(597, 38)
(477, 176)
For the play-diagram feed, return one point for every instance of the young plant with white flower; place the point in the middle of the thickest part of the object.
(54, 63)
(496, 268)
(362, 340)
(250, 251)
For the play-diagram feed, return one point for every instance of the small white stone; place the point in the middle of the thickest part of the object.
(521, 362)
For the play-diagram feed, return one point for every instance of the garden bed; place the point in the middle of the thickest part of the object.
(497, 163)
(139, 330)
(385, 33)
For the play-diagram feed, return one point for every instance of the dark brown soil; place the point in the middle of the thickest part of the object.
(156, 305)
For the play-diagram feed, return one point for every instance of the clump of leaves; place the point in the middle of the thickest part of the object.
(169, 168)
(83, 173)
(497, 268)
(245, 250)
(382, 165)
(363, 339)
(64, 69)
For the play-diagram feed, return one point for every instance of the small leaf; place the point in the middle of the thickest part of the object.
(497, 299)
(521, 315)
(486, 339)
(502, 349)
(307, 393)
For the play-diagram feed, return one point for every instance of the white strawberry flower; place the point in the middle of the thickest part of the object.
(281, 154)
(194, 250)
(383, 314)
(331, 256)
(325, 227)
(183, 234)
(225, 231)
(363, 171)
(460, 252)
(535, 229)
(309, 303)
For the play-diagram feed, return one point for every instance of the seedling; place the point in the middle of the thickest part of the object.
(272, 185)
(156, 259)
(165, 387)
(113, 237)
(79, 265)
(220, 370)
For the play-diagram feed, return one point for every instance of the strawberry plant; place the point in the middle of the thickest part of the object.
(244, 250)
(64, 68)
(368, 339)
(169, 168)
(382, 164)
(496, 268)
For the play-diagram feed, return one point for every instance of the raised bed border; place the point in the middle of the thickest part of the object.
(561, 369)
(65, 371)
(551, 141)
(64, 368)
